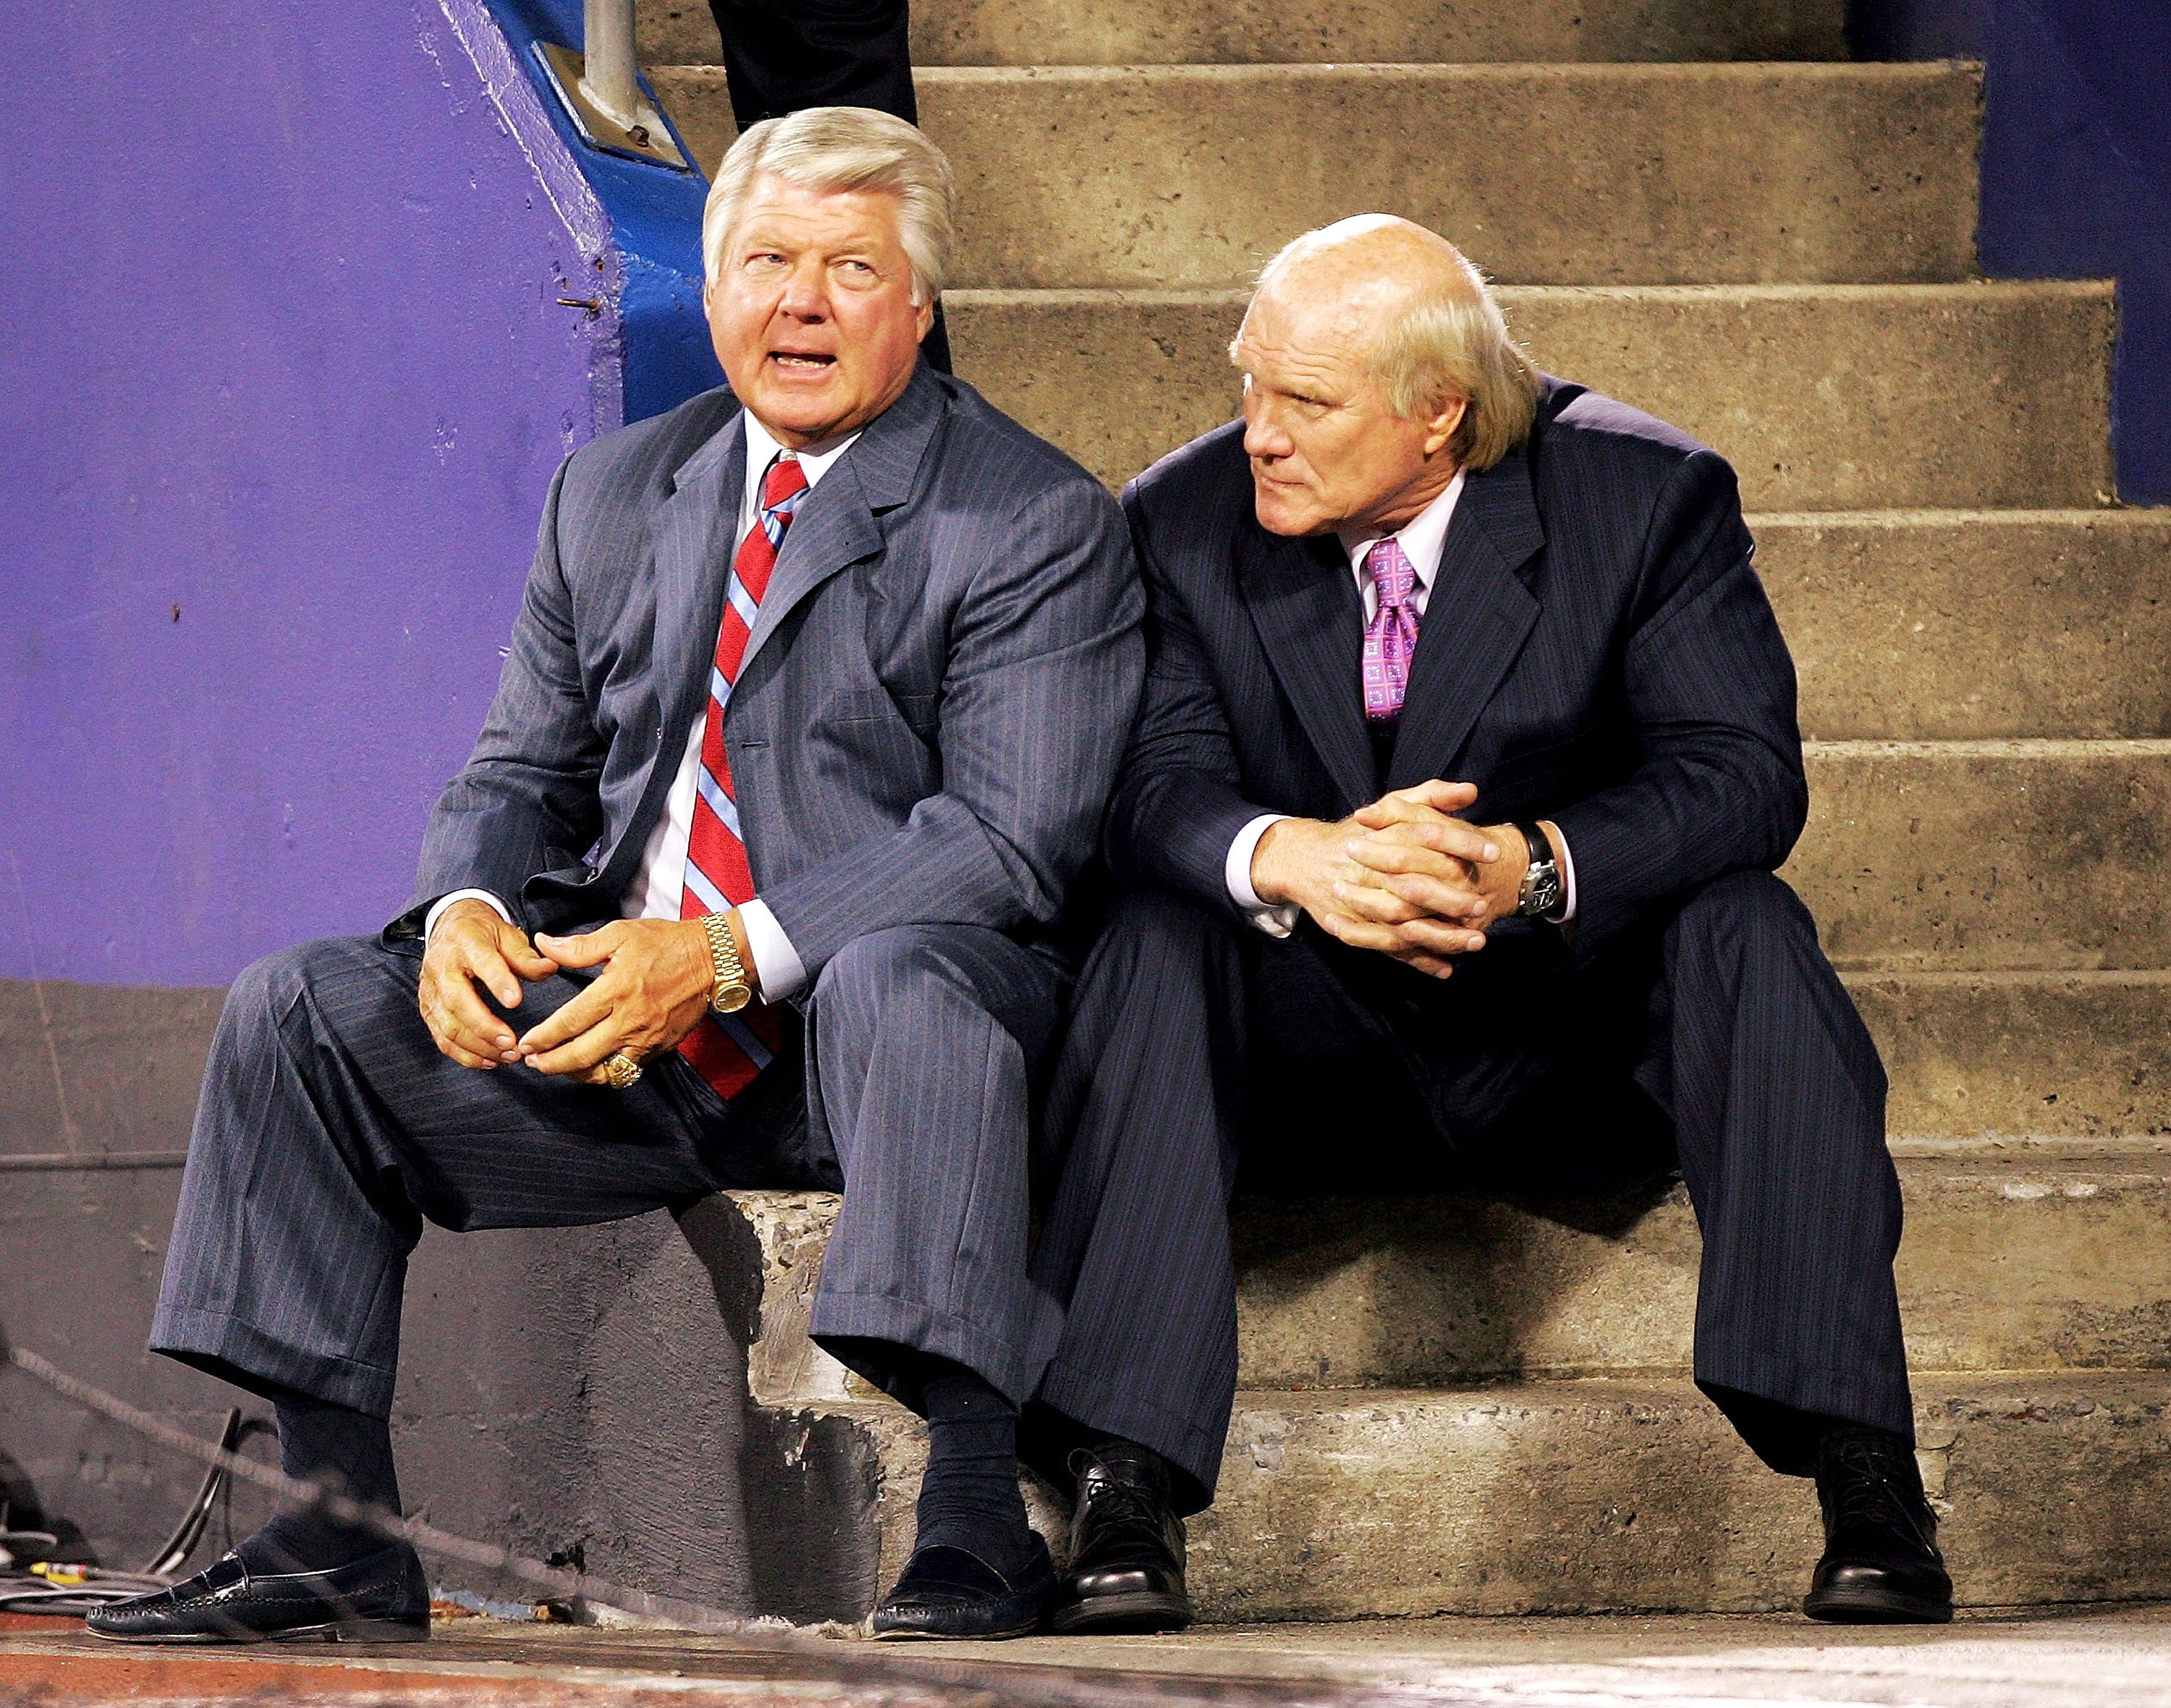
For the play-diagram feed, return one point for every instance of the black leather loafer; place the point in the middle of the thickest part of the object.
(382, 1599)
(947, 1592)
(1126, 1547)
(1881, 1563)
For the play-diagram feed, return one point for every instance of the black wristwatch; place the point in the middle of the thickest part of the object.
(1541, 883)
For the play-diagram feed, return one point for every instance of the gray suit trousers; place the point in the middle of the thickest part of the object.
(330, 1129)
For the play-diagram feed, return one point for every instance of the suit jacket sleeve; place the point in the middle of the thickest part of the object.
(526, 801)
(1042, 680)
(1179, 804)
(1718, 785)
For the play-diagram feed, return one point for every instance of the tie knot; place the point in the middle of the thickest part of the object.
(1394, 577)
(785, 480)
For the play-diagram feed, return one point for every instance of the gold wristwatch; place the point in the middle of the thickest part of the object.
(732, 992)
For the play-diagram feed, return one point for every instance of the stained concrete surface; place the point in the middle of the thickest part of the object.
(1159, 32)
(2088, 1657)
(1905, 397)
(1189, 177)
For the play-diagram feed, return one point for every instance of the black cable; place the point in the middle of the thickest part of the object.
(169, 1559)
(63, 1589)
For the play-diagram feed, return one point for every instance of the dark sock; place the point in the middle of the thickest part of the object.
(969, 1498)
(351, 1453)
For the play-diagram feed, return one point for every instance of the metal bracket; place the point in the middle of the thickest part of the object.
(638, 133)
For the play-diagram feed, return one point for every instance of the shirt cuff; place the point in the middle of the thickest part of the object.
(1568, 879)
(777, 968)
(438, 906)
(1278, 920)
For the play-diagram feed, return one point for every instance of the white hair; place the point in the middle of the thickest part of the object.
(836, 149)
(1445, 340)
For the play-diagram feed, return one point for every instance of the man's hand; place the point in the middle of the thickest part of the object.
(472, 945)
(654, 990)
(1325, 869)
(1413, 835)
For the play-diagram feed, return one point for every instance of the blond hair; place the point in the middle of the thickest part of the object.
(1447, 340)
(837, 149)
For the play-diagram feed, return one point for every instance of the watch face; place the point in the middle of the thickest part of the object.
(1544, 893)
(732, 998)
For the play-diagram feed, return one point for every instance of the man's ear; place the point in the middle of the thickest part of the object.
(925, 312)
(1441, 427)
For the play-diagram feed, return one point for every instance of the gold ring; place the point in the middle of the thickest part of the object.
(622, 1070)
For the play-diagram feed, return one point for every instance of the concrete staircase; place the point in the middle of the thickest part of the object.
(1453, 1405)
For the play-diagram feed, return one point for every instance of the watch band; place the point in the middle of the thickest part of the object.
(731, 991)
(1541, 882)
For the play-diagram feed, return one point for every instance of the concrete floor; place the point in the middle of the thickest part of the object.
(2089, 1657)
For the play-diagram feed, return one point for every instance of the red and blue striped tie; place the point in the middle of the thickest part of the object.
(729, 1049)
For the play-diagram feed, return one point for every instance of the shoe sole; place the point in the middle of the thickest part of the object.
(906, 1634)
(1840, 1608)
(1133, 1614)
(344, 1631)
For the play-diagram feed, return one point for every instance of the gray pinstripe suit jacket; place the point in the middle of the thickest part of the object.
(930, 714)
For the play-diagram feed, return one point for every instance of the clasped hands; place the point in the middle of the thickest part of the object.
(1402, 876)
(657, 975)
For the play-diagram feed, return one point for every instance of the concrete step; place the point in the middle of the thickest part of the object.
(1894, 618)
(1826, 397)
(2051, 1259)
(2069, 1058)
(2009, 1262)
(1987, 854)
(1575, 1496)
(1190, 176)
(1206, 32)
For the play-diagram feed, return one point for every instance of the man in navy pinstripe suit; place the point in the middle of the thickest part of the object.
(756, 877)
(1467, 751)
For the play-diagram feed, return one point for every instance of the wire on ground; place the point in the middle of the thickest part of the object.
(985, 1681)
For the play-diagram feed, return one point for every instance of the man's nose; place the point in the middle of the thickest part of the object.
(806, 294)
(1264, 435)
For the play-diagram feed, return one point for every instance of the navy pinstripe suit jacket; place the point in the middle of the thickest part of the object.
(1596, 650)
(929, 713)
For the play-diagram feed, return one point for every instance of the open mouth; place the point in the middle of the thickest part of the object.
(801, 361)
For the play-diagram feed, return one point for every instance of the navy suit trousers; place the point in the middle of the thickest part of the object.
(1715, 1039)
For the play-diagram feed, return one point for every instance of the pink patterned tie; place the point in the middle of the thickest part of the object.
(1391, 636)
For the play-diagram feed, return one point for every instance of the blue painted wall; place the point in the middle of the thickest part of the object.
(2076, 170)
(656, 220)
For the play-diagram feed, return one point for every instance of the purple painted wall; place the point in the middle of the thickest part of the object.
(288, 376)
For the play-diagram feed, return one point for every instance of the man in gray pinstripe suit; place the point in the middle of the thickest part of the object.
(754, 878)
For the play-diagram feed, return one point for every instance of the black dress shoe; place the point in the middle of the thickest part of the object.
(948, 1593)
(1126, 1546)
(383, 1599)
(1881, 1563)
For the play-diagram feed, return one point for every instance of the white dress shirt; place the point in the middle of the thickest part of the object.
(659, 885)
(1424, 539)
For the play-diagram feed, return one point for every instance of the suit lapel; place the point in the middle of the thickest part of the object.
(834, 526)
(1478, 617)
(695, 538)
(1304, 603)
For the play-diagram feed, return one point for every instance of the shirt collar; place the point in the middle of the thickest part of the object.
(762, 449)
(1423, 538)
